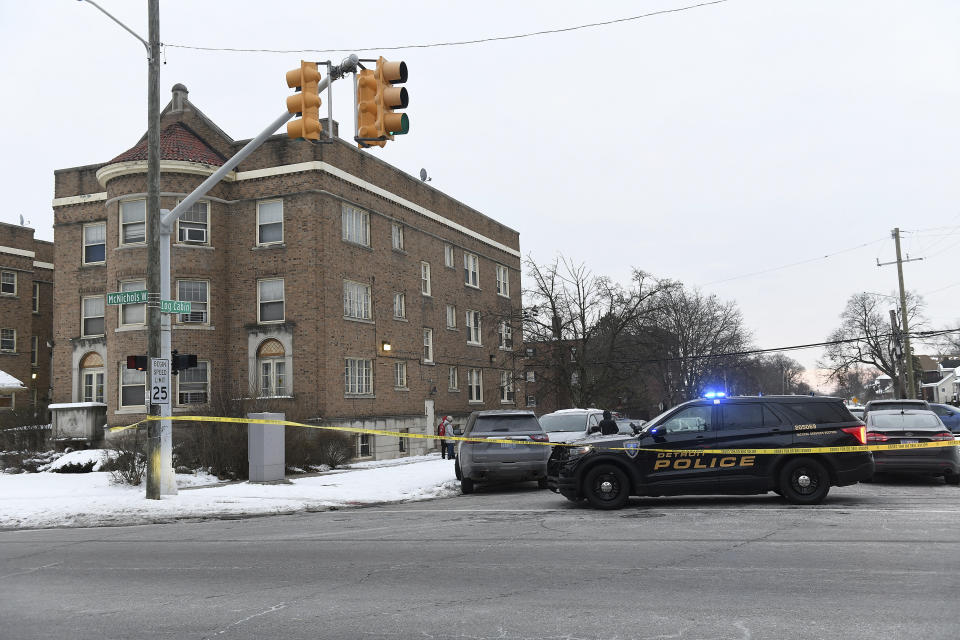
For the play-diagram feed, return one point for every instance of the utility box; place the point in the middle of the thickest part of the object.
(265, 453)
(76, 423)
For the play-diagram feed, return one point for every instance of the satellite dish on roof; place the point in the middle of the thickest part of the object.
(423, 176)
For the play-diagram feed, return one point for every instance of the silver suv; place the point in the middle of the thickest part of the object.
(515, 461)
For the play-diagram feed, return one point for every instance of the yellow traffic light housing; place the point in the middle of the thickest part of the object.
(306, 102)
(377, 97)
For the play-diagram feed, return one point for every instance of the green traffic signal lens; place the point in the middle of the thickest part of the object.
(404, 125)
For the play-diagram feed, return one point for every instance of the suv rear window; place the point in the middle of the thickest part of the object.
(505, 424)
(896, 406)
(821, 412)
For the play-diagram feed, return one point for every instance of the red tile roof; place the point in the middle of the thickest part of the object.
(177, 142)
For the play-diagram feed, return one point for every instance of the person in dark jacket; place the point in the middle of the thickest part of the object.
(608, 426)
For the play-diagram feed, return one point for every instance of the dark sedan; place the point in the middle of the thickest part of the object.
(913, 426)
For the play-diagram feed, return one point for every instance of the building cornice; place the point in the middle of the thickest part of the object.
(107, 173)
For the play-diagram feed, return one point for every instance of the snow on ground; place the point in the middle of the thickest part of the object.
(43, 500)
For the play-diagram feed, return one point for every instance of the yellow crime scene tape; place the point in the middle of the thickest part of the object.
(423, 436)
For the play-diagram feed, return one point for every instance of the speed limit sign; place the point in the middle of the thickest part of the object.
(159, 381)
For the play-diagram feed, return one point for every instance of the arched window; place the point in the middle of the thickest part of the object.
(272, 368)
(91, 377)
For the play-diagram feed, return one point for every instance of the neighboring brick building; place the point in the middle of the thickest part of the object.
(302, 266)
(26, 318)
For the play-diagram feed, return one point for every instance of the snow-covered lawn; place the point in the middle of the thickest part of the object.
(40, 500)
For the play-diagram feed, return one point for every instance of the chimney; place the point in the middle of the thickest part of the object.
(179, 98)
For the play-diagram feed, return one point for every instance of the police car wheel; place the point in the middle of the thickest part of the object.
(466, 485)
(542, 483)
(804, 481)
(606, 487)
(952, 478)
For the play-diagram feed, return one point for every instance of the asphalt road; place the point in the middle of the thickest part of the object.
(875, 561)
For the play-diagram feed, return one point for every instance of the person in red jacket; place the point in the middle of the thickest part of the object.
(445, 425)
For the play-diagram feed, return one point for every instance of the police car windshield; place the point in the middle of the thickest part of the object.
(552, 423)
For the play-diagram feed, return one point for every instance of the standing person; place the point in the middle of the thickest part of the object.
(441, 432)
(608, 426)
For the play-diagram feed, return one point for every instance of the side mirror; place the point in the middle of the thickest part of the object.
(658, 434)
(636, 429)
(458, 431)
(594, 429)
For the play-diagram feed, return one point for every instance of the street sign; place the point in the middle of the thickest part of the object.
(127, 297)
(159, 381)
(175, 306)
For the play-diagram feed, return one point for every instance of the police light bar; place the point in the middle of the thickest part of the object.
(715, 394)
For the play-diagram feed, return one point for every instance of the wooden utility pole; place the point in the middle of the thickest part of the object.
(909, 390)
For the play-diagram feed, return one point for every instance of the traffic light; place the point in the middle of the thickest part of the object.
(306, 102)
(137, 362)
(377, 97)
(179, 362)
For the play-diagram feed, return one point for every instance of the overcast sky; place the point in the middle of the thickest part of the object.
(702, 145)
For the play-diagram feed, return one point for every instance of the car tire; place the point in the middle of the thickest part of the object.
(952, 478)
(456, 471)
(542, 483)
(466, 486)
(868, 480)
(606, 487)
(804, 481)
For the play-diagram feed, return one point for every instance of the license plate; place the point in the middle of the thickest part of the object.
(504, 445)
(909, 441)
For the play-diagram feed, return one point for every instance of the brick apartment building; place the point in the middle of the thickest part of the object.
(343, 289)
(26, 318)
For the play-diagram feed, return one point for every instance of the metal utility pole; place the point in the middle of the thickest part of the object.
(908, 389)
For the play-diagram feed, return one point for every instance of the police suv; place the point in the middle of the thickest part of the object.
(665, 458)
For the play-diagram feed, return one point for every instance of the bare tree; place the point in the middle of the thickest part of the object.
(579, 323)
(695, 340)
(864, 336)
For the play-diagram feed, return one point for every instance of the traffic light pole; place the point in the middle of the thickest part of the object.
(167, 219)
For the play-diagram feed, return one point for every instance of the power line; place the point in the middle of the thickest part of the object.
(453, 43)
(794, 264)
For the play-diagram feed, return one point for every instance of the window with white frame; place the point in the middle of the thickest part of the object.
(95, 243)
(506, 387)
(448, 256)
(133, 387)
(427, 345)
(451, 316)
(400, 375)
(425, 278)
(503, 281)
(272, 370)
(531, 376)
(193, 384)
(92, 320)
(270, 302)
(356, 225)
(474, 385)
(364, 445)
(473, 327)
(34, 350)
(471, 270)
(133, 222)
(505, 334)
(91, 377)
(531, 401)
(453, 379)
(270, 222)
(8, 340)
(358, 376)
(35, 300)
(399, 305)
(197, 293)
(131, 314)
(356, 300)
(8, 283)
(193, 227)
(396, 236)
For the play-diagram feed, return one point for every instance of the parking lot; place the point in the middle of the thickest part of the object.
(875, 560)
